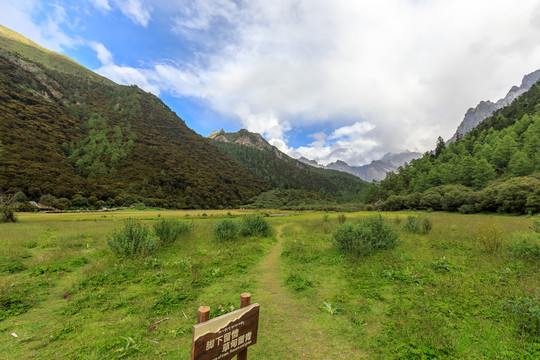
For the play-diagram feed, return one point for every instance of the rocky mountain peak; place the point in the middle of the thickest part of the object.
(485, 109)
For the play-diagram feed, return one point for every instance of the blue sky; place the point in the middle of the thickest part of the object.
(328, 80)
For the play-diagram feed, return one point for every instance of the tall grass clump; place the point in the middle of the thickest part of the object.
(417, 225)
(133, 238)
(369, 235)
(168, 230)
(226, 230)
(255, 225)
(527, 247)
(536, 224)
(489, 236)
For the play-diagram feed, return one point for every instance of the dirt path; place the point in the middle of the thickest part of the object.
(286, 321)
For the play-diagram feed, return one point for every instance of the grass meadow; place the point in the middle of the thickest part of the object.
(468, 288)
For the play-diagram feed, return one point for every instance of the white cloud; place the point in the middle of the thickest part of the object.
(408, 68)
(135, 10)
(345, 143)
(104, 55)
(17, 16)
(101, 4)
(126, 75)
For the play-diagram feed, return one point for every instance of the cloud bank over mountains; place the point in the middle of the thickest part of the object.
(361, 78)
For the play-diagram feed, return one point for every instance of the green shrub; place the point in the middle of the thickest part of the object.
(298, 283)
(226, 230)
(412, 224)
(255, 225)
(132, 239)
(341, 218)
(467, 209)
(168, 230)
(369, 235)
(489, 236)
(527, 314)
(417, 225)
(139, 206)
(426, 225)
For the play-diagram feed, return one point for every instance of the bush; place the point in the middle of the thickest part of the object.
(467, 209)
(79, 201)
(168, 230)
(62, 204)
(341, 218)
(527, 314)
(417, 225)
(132, 239)
(226, 230)
(426, 225)
(369, 235)
(255, 225)
(47, 200)
(412, 224)
(489, 236)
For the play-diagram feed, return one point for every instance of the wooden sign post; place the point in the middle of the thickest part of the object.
(228, 335)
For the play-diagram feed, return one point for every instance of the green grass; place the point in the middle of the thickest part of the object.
(440, 295)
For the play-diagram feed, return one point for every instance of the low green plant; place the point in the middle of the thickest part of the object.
(226, 230)
(442, 264)
(168, 230)
(369, 235)
(341, 218)
(133, 238)
(527, 247)
(255, 225)
(526, 313)
(332, 310)
(298, 283)
(489, 236)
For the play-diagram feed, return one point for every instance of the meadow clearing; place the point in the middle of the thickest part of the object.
(468, 288)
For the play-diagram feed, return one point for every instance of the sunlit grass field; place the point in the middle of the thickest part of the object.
(440, 295)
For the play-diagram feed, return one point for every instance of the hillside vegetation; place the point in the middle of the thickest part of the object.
(495, 167)
(284, 172)
(68, 132)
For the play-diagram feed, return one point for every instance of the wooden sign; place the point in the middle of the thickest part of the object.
(225, 336)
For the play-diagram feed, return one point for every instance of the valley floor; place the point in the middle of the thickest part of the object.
(440, 295)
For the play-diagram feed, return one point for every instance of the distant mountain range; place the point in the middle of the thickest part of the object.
(376, 170)
(485, 109)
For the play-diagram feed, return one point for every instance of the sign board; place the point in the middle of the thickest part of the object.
(225, 336)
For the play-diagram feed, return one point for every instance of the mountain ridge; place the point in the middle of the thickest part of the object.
(282, 171)
(69, 132)
(485, 109)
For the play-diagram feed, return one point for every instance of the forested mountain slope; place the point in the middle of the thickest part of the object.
(495, 167)
(282, 171)
(69, 132)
